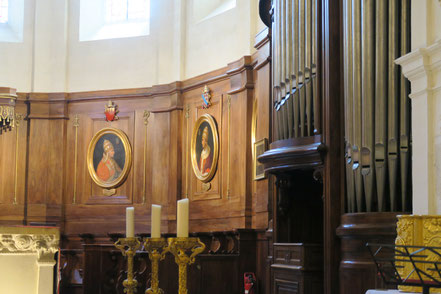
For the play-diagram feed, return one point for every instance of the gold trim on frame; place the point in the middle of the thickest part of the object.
(212, 123)
(128, 158)
(263, 142)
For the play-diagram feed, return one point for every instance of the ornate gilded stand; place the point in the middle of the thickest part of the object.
(153, 246)
(179, 247)
(128, 247)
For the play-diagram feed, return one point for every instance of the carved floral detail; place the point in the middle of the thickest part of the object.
(404, 231)
(44, 245)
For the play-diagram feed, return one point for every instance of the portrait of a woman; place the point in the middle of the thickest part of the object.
(204, 148)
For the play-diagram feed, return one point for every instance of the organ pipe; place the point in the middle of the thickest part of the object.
(377, 107)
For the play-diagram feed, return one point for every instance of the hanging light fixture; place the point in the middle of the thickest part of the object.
(8, 96)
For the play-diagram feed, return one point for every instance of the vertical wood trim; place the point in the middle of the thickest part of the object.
(146, 122)
(18, 119)
(187, 116)
(228, 159)
(332, 95)
(76, 124)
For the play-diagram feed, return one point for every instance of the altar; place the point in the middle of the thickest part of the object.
(27, 259)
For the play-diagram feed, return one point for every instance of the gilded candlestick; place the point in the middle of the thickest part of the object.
(179, 247)
(157, 249)
(128, 247)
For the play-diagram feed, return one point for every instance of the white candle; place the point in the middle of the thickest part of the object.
(182, 227)
(156, 221)
(130, 222)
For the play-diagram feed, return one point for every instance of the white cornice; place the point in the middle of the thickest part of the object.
(418, 66)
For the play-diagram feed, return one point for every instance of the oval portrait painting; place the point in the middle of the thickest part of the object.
(204, 148)
(109, 158)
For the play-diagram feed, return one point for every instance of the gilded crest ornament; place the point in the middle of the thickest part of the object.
(111, 111)
(206, 97)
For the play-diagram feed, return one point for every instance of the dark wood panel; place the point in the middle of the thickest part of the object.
(219, 269)
(357, 270)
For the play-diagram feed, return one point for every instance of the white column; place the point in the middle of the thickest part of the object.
(423, 69)
(45, 277)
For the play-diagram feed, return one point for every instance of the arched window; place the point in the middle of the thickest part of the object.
(4, 11)
(109, 19)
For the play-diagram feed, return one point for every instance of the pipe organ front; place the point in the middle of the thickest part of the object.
(341, 116)
(294, 68)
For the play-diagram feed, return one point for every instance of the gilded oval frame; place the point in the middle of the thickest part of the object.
(194, 160)
(127, 162)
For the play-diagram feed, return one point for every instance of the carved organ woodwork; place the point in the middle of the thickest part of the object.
(302, 218)
(341, 114)
(377, 133)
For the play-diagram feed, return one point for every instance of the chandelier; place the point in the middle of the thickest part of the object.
(8, 96)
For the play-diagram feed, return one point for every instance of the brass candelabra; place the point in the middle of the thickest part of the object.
(128, 247)
(157, 249)
(183, 249)
(180, 248)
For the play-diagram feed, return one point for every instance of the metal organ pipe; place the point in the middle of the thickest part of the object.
(377, 111)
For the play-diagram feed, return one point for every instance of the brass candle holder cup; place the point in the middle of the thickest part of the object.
(180, 247)
(157, 249)
(128, 247)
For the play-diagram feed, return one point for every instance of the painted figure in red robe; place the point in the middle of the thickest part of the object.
(108, 169)
(206, 159)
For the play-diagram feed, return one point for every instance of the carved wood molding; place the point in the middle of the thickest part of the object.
(44, 245)
(293, 154)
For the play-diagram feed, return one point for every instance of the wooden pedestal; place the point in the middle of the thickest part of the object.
(357, 270)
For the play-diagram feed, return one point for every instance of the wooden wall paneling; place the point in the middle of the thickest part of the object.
(7, 163)
(216, 111)
(138, 170)
(242, 93)
(332, 103)
(262, 109)
(175, 159)
(48, 115)
(142, 189)
(160, 157)
(123, 193)
(13, 146)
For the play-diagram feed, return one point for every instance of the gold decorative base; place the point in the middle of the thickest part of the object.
(157, 249)
(128, 247)
(418, 230)
(179, 247)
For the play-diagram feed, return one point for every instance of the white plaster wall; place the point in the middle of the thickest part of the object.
(52, 59)
(112, 63)
(212, 43)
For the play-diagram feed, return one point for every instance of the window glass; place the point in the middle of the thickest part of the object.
(3, 11)
(125, 10)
